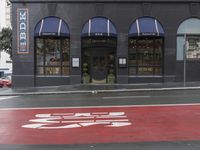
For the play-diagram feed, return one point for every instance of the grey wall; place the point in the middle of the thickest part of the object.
(121, 14)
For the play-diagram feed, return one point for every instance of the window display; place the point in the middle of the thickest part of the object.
(145, 56)
(52, 56)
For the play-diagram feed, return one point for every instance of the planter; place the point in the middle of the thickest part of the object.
(111, 79)
(86, 79)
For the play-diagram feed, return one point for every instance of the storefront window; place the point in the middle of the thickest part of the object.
(145, 56)
(52, 55)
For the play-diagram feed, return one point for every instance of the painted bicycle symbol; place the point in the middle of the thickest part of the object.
(78, 120)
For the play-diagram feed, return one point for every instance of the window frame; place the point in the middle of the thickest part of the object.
(153, 65)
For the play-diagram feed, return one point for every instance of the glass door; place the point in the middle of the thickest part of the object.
(99, 66)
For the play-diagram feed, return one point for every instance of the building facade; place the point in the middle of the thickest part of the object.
(5, 10)
(5, 22)
(106, 41)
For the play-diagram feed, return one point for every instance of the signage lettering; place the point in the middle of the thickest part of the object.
(22, 30)
(78, 120)
(98, 34)
(148, 34)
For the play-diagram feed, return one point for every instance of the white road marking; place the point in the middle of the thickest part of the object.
(52, 121)
(118, 106)
(125, 97)
(122, 120)
(7, 97)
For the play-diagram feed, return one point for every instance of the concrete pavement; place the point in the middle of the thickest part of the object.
(99, 88)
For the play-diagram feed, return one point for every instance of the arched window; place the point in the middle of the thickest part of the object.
(188, 38)
(145, 53)
(52, 47)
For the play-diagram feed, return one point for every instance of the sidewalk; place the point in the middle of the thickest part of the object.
(100, 88)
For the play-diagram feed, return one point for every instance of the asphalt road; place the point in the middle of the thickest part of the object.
(185, 97)
(103, 99)
(192, 145)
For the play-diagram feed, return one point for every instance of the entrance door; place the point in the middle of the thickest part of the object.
(98, 59)
(99, 65)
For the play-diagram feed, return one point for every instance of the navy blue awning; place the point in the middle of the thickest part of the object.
(99, 26)
(52, 26)
(146, 26)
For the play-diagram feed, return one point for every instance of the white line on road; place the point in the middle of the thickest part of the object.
(71, 121)
(119, 106)
(7, 97)
(125, 97)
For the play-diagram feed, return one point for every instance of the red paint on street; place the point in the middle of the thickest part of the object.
(181, 123)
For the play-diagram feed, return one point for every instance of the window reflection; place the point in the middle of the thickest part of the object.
(188, 30)
(193, 47)
(52, 56)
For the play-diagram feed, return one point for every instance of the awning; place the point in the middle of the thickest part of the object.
(52, 26)
(99, 26)
(146, 26)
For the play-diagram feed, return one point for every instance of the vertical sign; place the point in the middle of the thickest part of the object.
(22, 31)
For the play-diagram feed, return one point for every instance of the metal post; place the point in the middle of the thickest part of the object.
(184, 59)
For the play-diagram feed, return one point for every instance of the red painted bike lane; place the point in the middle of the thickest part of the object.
(100, 125)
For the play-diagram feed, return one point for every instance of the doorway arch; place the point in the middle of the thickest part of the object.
(99, 43)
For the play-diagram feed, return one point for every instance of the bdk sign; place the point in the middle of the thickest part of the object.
(22, 31)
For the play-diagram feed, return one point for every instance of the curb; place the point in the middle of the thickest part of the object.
(100, 91)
